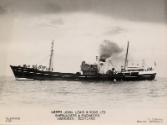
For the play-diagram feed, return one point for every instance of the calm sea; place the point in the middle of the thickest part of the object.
(121, 100)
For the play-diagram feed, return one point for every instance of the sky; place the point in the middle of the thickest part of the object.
(78, 27)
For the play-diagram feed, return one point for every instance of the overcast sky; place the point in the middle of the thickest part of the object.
(135, 10)
(78, 27)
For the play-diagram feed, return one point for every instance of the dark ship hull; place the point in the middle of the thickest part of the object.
(21, 72)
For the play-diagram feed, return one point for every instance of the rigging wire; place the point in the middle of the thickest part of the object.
(43, 60)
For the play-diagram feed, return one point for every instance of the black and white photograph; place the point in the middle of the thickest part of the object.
(76, 62)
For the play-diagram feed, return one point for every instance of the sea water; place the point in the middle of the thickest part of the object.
(129, 102)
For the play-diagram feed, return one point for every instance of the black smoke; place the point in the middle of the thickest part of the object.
(109, 49)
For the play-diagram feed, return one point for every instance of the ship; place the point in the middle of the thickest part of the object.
(89, 72)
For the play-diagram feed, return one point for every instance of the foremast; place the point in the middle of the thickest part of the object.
(51, 57)
(126, 57)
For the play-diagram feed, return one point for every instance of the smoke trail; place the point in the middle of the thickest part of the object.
(108, 49)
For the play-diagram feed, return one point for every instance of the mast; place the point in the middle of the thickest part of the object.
(51, 57)
(126, 57)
